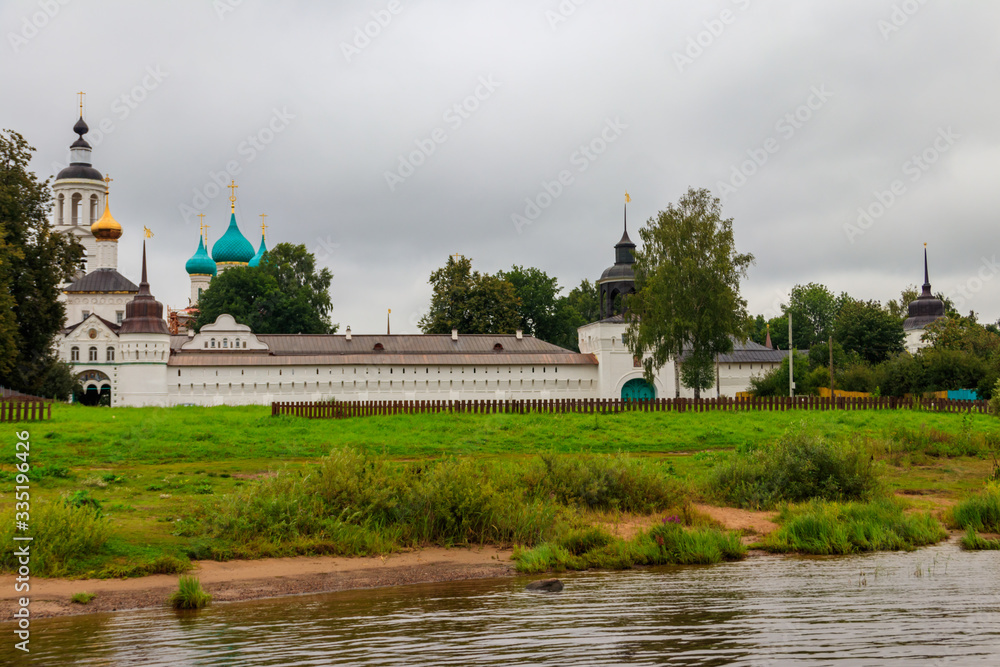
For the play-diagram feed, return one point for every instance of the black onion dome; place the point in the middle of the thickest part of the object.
(926, 308)
(618, 272)
(78, 170)
(81, 127)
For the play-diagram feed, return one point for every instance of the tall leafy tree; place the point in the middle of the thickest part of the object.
(687, 285)
(34, 262)
(816, 306)
(869, 330)
(472, 302)
(585, 301)
(285, 294)
(544, 314)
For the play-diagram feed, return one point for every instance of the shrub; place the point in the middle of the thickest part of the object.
(605, 482)
(189, 594)
(800, 466)
(64, 534)
(82, 598)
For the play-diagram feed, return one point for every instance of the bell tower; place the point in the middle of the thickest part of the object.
(78, 191)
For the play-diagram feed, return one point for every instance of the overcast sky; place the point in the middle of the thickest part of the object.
(387, 135)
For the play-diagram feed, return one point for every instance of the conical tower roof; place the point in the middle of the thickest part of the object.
(144, 314)
(261, 253)
(232, 247)
(200, 263)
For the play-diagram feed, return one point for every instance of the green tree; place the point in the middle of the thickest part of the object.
(866, 328)
(543, 313)
(285, 294)
(816, 307)
(698, 372)
(585, 301)
(34, 262)
(963, 334)
(472, 302)
(687, 285)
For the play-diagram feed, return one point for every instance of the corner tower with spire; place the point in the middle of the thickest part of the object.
(618, 280)
(923, 310)
(144, 349)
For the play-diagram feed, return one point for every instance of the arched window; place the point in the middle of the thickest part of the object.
(61, 209)
(93, 209)
(92, 354)
(75, 206)
(110, 353)
(213, 342)
(74, 353)
(498, 348)
(378, 347)
(225, 342)
(237, 343)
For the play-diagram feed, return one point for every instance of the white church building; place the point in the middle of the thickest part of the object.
(120, 346)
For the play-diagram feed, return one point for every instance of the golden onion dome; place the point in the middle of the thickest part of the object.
(107, 228)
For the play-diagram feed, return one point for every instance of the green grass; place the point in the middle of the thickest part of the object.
(82, 598)
(828, 528)
(189, 594)
(981, 511)
(167, 485)
(79, 436)
(972, 541)
(355, 504)
(665, 544)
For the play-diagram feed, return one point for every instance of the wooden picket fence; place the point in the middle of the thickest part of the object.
(347, 409)
(21, 410)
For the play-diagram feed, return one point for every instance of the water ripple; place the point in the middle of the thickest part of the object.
(935, 606)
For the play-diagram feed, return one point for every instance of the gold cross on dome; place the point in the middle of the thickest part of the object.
(201, 224)
(81, 94)
(232, 193)
(263, 227)
(107, 179)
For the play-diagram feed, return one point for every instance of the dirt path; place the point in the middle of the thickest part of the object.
(269, 577)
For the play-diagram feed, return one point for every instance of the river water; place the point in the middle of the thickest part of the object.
(935, 606)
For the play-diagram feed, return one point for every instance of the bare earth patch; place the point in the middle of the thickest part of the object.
(745, 521)
(265, 578)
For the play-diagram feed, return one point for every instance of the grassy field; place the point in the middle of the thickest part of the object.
(159, 474)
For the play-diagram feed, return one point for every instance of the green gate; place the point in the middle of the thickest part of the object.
(638, 390)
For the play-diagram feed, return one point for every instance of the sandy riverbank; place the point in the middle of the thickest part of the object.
(269, 577)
